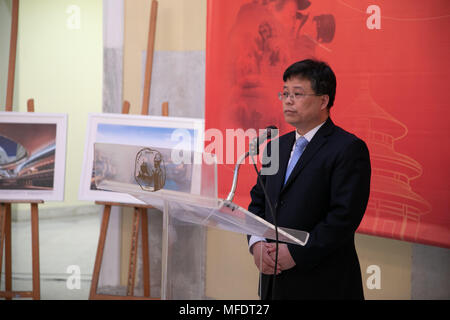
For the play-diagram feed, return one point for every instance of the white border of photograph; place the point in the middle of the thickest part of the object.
(94, 119)
(60, 119)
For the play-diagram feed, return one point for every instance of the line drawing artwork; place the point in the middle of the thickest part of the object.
(394, 209)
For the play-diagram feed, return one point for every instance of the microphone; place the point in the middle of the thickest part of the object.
(256, 142)
(254, 150)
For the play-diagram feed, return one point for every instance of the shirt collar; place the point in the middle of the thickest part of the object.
(310, 134)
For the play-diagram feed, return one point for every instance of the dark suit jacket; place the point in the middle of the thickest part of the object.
(326, 195)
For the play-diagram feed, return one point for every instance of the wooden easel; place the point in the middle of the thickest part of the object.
(140, 218)
(5, 205)
(5, 242)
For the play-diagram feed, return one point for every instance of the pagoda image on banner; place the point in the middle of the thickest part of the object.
(394, 209)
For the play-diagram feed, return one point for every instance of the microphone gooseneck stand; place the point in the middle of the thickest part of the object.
(274, 223)
(254, 150)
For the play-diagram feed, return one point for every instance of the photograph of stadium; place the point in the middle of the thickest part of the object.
(27, 156)
(32, 155)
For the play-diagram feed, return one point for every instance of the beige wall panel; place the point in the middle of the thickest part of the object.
(393, 258)
(181, 26)
(230, 271)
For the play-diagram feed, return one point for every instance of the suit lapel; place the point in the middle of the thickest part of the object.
(311, 149)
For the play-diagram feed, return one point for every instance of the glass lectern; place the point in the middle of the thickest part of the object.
(183, 185)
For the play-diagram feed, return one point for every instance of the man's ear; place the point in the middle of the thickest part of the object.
(325, 99)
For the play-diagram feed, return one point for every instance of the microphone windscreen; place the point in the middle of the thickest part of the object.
(269, 130)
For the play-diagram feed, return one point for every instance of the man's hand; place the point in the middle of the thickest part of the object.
(285, 260)
(264, 262)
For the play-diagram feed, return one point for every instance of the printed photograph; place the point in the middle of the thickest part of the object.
(154, 167)
(32, 156)
(27, 156)
(147, 162)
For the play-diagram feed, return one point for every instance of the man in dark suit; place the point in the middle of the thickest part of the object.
(322, 187)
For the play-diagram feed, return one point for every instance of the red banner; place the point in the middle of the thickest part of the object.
(391, 59)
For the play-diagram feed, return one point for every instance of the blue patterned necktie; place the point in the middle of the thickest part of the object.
(300, 145)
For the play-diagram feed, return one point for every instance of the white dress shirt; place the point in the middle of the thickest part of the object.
(308, 136)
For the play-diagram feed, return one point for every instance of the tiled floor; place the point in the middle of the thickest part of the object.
(64, 242)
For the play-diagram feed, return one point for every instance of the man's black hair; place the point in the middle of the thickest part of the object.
(319, 73)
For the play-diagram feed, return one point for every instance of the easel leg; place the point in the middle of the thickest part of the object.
(101, 246)
(8, 260)
(35, 249)
(2, 235)
(165, 251)
(133, 252)
(145, 254)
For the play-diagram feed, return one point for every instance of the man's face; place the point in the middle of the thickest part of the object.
(303, 111)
